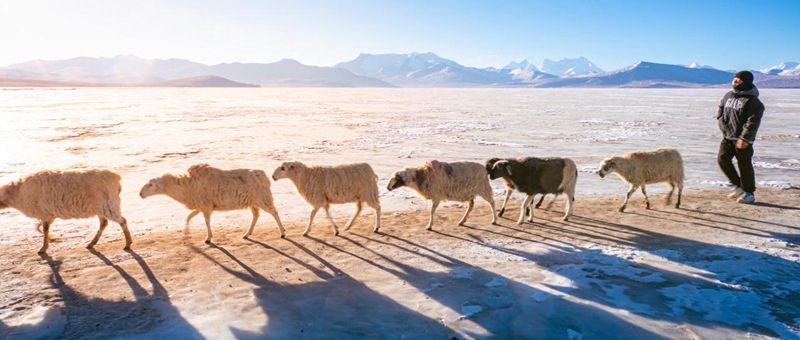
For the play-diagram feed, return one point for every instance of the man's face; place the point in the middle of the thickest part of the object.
(736, 81)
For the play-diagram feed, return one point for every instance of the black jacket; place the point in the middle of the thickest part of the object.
(740, 115)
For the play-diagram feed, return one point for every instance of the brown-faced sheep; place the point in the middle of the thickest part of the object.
(207, 189)
(440, 181)
(323, 185)
(647, 167)
(48, 195)
(532, 176)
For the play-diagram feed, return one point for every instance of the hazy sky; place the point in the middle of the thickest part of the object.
(612, 34)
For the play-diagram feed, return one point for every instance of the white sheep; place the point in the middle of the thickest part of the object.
(647, 167)
(439, 181)
(47, 195)
(323, 185)
(207, 189)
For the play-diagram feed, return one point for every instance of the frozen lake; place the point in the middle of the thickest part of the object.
(712, 269)
(142, 133)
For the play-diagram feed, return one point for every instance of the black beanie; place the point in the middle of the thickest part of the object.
(745, 76)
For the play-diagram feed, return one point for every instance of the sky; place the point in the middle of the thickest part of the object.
(612, 34)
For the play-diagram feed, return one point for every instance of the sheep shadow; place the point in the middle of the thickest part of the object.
(149, 315)
(729, 287)
(338, 306)
(504, 309)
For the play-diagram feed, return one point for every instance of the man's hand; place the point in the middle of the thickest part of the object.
(742, 144)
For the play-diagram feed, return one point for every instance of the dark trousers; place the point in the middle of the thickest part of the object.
(744, 158)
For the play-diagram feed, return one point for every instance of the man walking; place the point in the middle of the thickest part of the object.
(739, 116)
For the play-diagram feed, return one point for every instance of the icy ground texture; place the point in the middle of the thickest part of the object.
(143, 133)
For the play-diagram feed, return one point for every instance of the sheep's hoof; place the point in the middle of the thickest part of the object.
(565, 219)
(127, 248)
(245, 236)
(305, 235)
(500, 214)
(648, 206)
(42, 251)
(622, 209)
(677, 206)
(429, 228)
(283, 236)
(494, 223)
(375, 231)
(208, 241)
(90, 246)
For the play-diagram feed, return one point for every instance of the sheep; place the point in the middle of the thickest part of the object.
(323, 185)
(207, 189)
(647, 167)
(510, 189)
(440, 181)
(47, 195)
(532, 176)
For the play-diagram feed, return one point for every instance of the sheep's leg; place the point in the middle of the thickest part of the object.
(505, 201)
(434, 204)
(39, 229)
(671, 190)
(680, 193)
(551, 202)
(631, 190)
(207, 216)
(570, 200)
(540, 201)
(46, 233)
(274, 212)
(646, 199)
(330, 218)
(310, 220)
(525, 204)
(470, 205)
(377, 207)
(103, 225)
(489, 199)
(190, 217)
(352, 219)
(256, 214)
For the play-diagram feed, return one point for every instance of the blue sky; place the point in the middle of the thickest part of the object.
(612, 34)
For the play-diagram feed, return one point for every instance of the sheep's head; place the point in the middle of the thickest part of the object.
(500, 169)
(490, 164)
(154, 187)
(287, 170)
(405, 177)
(607, 167)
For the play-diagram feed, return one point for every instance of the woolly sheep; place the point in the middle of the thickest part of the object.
(439, 181)
(647, 167)
(47, 195)
(323, 185)
(207, 189)
(532, 176)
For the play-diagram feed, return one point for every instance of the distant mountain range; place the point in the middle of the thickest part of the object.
(377, 70)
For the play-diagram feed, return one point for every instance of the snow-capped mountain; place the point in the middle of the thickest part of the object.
(523, 65)
(119, 69)
(134, 70)
(423, 69)
(789, 68)
(697, 65)
(570, 67)
(647, 74)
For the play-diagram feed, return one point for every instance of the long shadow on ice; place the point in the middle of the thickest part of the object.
(339, 307)
(720, 287)
(149, 315)
(479, 303)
